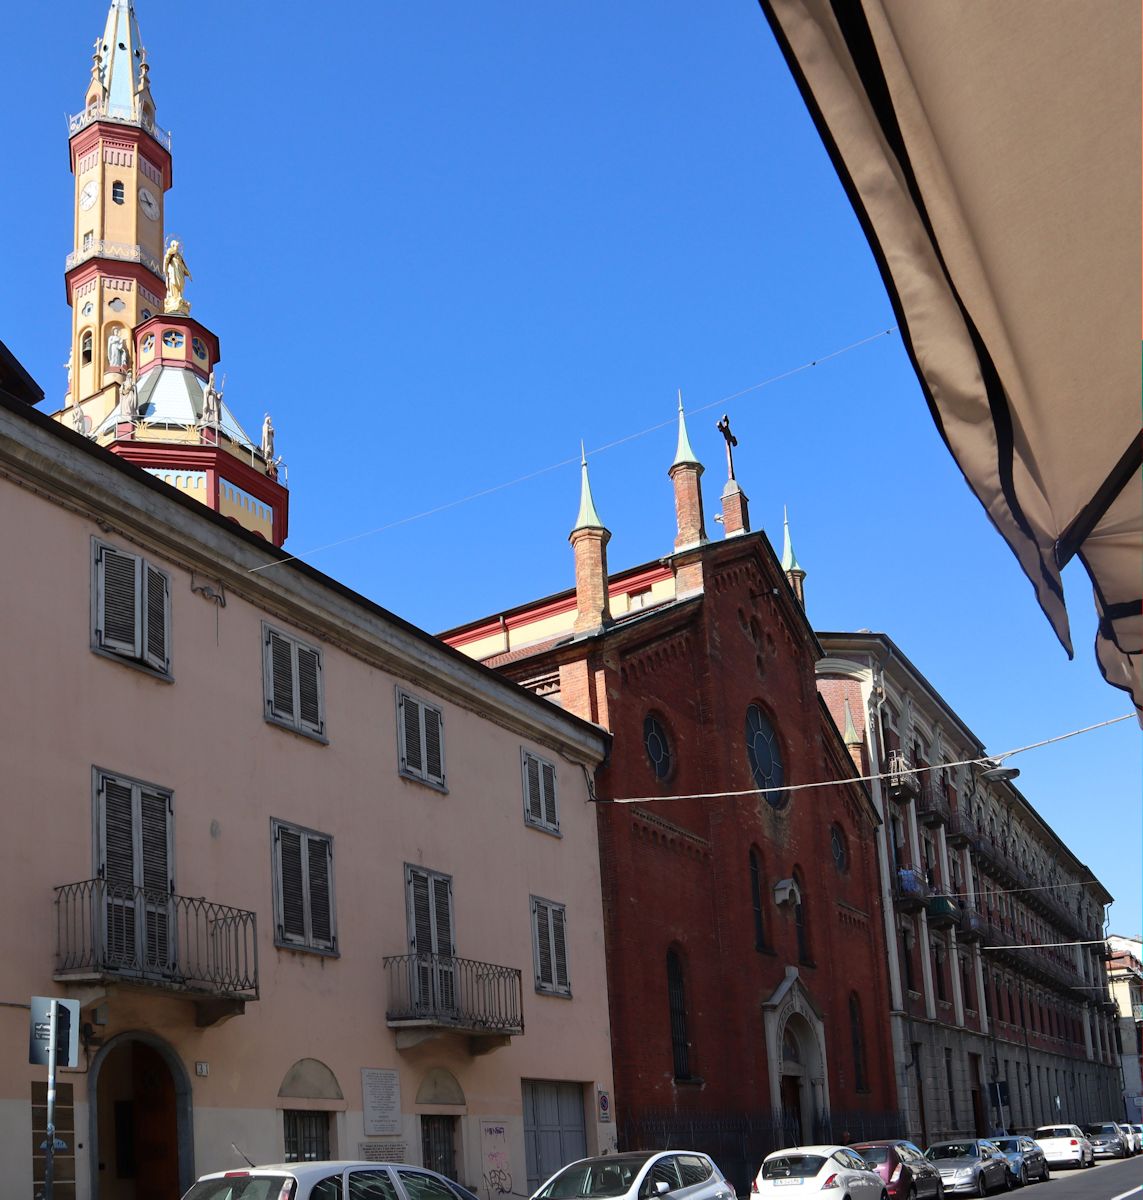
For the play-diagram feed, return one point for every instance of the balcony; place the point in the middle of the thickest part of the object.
(972, 926)
(912, 891)
(959, 830)
(109, 933)
(122, 115)
(1137, 1012)
(903, 782)
(119, 251)
(430, 994)
(932, 807)
(943, 911)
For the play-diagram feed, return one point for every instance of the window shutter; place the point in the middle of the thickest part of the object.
(543, 945)
(292, 927)
(155, 876)
(280, 670)
(309, 688)
(434, 760)
(532, 797)
(551, 813)
(117, 579)
(442, 914)
(157, 618)
(412, 757)
(318, 856)
(118, 835)
(420, 915)
(559, 948)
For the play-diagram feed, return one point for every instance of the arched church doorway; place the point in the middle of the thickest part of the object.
(140, 1121)
(800, 1069)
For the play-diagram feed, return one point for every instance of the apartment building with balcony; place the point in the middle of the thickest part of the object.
(1125, 967)
(322, 886)
(1001, 1013)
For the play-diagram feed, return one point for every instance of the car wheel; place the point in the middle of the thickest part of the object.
(912, 1192)
(1023, 1174)
(940, 1192)
(1045, 1174)
(1008, 1184)
(981, 1185)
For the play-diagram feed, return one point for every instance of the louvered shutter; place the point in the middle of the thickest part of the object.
(434, 756)
(421, 936)
(412, 758)
(318, 858)
(543, 934)
(551, 813)
(309, 689)
(532, 798)
(156, 618)
(280, 676)
(155, 879)
(292, 917)
(117, 601)
(118, 871)
(442, 933)
(559, 949)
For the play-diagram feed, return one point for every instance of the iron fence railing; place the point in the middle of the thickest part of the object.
(122, 114)
(461, 993)
(738, 1142)
(903, 781)
(911, 884)
(184, 943)
(119, 251)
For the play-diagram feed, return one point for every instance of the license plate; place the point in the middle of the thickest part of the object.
(785, 1182)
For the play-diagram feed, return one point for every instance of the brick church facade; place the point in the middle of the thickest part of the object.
(744, 935)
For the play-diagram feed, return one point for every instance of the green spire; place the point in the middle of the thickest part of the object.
(122, 58)
(588, 518)
(684, 453)
(850, 734)
(789, 558)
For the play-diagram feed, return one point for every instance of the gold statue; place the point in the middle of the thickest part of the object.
(176, 274)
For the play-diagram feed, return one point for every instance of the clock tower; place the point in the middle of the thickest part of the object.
(141, 370)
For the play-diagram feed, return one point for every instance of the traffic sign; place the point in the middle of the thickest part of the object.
(67, 1032)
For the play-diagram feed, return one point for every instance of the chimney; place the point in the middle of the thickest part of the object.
(735, 506)
(795, 576)
(589, 540)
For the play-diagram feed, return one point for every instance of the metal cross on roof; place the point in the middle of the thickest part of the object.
(731, 440)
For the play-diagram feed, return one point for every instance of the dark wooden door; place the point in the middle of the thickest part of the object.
(156, 1128)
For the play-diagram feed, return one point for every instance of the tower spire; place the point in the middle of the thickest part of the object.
(795, 574)
(122, 61)
(588, 518)
(684, 455)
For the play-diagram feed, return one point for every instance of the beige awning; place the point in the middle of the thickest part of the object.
(991, 149)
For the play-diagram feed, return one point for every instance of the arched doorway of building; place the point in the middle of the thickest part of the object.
(140, 1121)
(798, 1054)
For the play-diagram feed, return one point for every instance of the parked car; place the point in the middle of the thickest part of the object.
(1107, 1139)
(640, 1176)
(1138, 1133)
(905, 1171)
(328, 1181)
(975, 1167)
(1134, 1145)
(1065, 1146)
(1025, 1159)
(838, 1169)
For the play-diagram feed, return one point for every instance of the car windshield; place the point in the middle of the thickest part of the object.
(873, 1154)
(952, 1150)
(596, 1177)
(241, 1187)
(1106, 1127)
(1054, 1131)
(792, 1166)
(1008, 1144)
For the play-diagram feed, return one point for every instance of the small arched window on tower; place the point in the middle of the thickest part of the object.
(677, 1000)
(117, 191)
(85, 348)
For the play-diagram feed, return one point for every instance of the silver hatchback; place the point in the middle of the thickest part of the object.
(680, 1174)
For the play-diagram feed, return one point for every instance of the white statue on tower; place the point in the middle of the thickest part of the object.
(268, 439)
(211, 403)
(116, 349)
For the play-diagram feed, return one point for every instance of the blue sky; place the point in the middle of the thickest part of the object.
(442, 242)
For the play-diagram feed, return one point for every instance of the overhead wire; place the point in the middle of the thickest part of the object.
(983, 760)
(556, 466)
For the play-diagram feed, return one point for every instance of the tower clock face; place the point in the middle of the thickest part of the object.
(148, 204)
(88, 195)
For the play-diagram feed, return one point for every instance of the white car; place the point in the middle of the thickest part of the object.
(800, 1170)
(638, 1175)
(1065, 1146)
(328, 1181)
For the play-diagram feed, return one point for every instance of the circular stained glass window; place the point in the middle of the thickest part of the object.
(765, 756)
(173, 340)
(657, 747)
(199, 347)
(837, 848)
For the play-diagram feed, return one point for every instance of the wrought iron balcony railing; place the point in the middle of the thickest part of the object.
(973, 926)
(944, 912)
(442, 991)
(903, 783)
(932, 807)
(182, 943)
(121, 114)
(119, 251)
